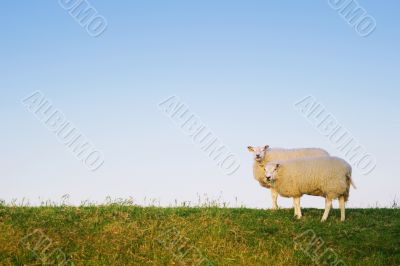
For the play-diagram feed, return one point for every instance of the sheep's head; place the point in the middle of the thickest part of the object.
(271, 170)
(259, 152)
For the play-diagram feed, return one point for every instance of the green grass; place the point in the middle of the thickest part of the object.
(132, 235)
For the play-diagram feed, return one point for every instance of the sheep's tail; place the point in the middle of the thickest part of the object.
(349, 182)
(352, 183)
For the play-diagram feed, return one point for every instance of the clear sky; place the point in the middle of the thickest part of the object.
(238, 65)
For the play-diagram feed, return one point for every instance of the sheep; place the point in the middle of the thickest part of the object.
(329, 177)
(265, 154)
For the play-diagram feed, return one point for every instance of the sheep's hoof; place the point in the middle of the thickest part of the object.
(323, 220)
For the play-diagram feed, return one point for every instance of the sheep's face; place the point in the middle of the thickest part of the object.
(259, 152)
(271, 170)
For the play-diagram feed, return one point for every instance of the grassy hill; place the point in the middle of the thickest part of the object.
(132, 235)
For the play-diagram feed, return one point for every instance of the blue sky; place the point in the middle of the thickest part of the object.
(238, 65)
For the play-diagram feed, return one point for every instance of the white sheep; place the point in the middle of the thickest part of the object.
(329, 177)
(265, 154)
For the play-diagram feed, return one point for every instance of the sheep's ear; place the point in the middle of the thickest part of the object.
(266, 147)
(251, 149)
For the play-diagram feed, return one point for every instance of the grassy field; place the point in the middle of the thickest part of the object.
(132, 235)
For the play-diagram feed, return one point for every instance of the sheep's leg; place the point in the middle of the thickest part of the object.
(342, 212)
(297, 210)
(274, 194)
(296, 207)
(328, 205)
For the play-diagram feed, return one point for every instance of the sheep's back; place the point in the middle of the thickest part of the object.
(277, 154)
